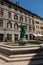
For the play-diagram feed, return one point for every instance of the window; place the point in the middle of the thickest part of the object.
(30, 28)
(1, 23)
(33, 21)
(16, 26)
(37, 31)
(1, 12)
(37, 27)
(21, 11)
(9, 14)
(21, 18)
(33, 28)
(29, 14)
(16, 9)
(41, 27)
(25, 13)
(26, 19)
(29, 20)
(16, 17)
(2, 3)
(9, 25)
(9, 6)
(16, 37)
(37, 22)
(26, 37)
(30, 36)
(1, 37)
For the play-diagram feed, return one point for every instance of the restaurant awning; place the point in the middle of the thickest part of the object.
(35, 35)
(40, 35)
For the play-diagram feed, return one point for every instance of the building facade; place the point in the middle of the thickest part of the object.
(12, 15)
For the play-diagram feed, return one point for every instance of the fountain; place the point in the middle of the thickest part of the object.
(18, 53)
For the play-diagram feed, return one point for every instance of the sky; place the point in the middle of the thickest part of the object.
(35, 6)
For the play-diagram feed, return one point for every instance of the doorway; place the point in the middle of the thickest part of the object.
(1, 37)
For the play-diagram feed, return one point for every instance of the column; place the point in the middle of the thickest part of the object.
(13, 37)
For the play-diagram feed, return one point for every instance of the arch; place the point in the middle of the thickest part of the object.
(1, 23)
(9, 25)
(16, 16)
(16, 26)
(1, 12)
(21, 18)
(9, 14)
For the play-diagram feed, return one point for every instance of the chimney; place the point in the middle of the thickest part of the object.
(17, 3)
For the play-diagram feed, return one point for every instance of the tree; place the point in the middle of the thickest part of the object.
(9, 37)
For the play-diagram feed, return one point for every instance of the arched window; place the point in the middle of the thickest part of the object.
(25, 19)
(30, 28)
(9, 25)
(33, 21)
(16, 26)
(16, 17)
(21, 18)
(1, 23)
(1, 12)
(9, 14)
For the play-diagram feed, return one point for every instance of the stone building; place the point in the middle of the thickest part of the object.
(12, 15)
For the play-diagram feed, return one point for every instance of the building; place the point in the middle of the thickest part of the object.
(41, 26)
(12, 15)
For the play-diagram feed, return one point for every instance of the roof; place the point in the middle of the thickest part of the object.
(23, 9)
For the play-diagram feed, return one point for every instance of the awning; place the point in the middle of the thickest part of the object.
(40, 35)
(35, 35)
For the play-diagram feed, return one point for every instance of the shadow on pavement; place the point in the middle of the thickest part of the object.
(38, 58)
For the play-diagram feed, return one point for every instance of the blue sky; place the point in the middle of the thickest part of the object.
(35, 6)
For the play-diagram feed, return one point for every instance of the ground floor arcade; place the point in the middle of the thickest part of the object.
(15, 36)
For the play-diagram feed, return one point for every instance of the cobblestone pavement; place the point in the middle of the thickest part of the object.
(2, 62)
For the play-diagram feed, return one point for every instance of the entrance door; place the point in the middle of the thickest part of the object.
(16, 37)
(30, 37)
(1, 37)
(26, 37)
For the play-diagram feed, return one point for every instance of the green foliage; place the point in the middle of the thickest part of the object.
(8, 38)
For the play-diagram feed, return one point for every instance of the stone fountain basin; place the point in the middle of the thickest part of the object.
(14, 50)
